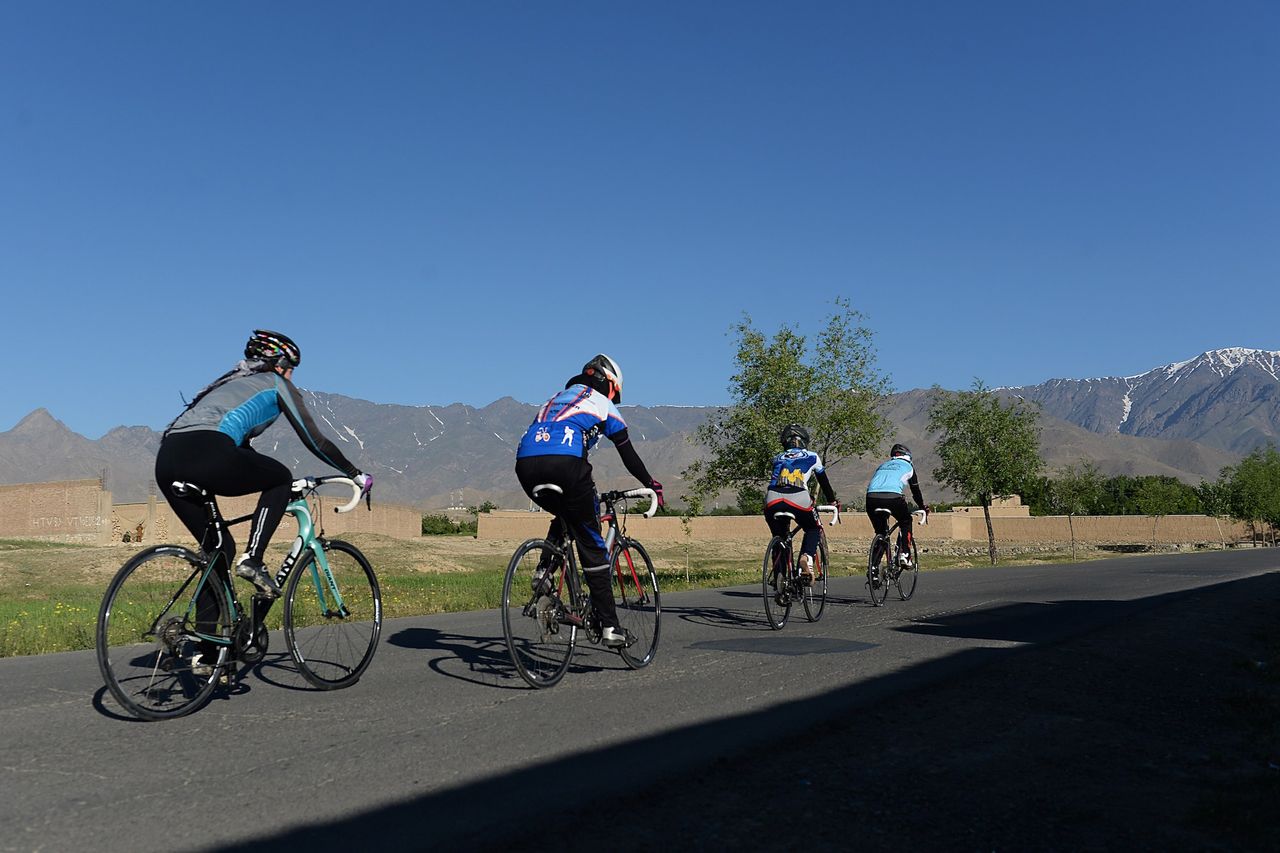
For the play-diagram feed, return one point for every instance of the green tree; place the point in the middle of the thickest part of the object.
(988, 449)
(1158, 497)
(1118, 495)
(1162, 495)
(1037, 496)
(1215, 499)
(750, 500)
(438, 525)
(1076, 490)
(830, 385)
(1254, 489)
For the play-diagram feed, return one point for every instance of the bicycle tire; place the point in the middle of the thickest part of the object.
(878, 570)
(815, 595)
(907, 577)
(776, 583)
(540, 647)
(638, 602)
(332, 648)
(150, 672)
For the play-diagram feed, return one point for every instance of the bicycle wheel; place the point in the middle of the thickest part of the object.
(907, 576)
(815, 595)
(776, 582)
(332, 641)
(635, 592)
(147, 634)
(539, 645)
(878, 562)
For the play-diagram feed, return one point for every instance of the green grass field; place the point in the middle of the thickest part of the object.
(50, 593)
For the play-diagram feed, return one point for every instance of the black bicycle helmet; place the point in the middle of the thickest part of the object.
(603, 367)
(901, 450)
(794, 435)
(274, 348)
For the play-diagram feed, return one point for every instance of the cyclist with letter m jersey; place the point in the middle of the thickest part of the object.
(554, 452)
(789, 492)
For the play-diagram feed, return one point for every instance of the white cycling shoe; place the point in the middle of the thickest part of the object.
(617, 638)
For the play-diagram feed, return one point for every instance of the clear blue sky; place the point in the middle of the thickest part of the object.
(460, 201)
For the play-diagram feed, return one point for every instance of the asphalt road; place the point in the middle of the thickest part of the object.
(441, 745)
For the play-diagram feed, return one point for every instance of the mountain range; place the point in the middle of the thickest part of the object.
(1228, 399)
(1187, 420)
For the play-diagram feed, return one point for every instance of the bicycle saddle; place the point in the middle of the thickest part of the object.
(187, 490)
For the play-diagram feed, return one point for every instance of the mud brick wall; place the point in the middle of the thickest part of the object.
(946, 526)
(67, 511)
(161, 525)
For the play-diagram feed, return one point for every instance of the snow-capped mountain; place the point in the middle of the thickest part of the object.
(1226, 398)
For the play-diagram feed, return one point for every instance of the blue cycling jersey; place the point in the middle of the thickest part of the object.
(571, 423)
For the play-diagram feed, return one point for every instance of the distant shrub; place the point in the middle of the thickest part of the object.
(440, 525)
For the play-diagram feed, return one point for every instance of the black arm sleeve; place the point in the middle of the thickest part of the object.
(915, 489)
(324, 449)
(828, 493)
(630, 458)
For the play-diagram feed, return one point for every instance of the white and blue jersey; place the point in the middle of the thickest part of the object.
(789, 479)
(571, 423)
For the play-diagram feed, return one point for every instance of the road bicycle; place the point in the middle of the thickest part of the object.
(885, 565)
(171, 628)
(545, 601)
(781, 582)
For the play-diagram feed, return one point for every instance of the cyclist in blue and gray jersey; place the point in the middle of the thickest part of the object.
(789, 492)
(554, 451)
(208, 444)
(885, 491)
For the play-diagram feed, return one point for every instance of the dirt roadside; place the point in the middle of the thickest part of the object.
(1159, 733)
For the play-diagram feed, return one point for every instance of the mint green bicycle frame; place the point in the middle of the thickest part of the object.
(327, 592)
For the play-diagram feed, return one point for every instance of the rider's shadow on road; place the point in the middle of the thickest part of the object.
(749, 617)
(746, 618)
(479, 660)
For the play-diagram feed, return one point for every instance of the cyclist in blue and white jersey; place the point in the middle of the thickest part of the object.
(208, 444)
(554, 451)
(789, 492)
(885, 492)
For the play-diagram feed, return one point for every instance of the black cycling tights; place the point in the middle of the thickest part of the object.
(580, 509)
(212, 461)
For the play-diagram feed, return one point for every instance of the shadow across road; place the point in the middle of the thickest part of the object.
(505, 812)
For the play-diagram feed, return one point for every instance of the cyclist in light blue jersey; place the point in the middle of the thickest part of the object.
(885, 492)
